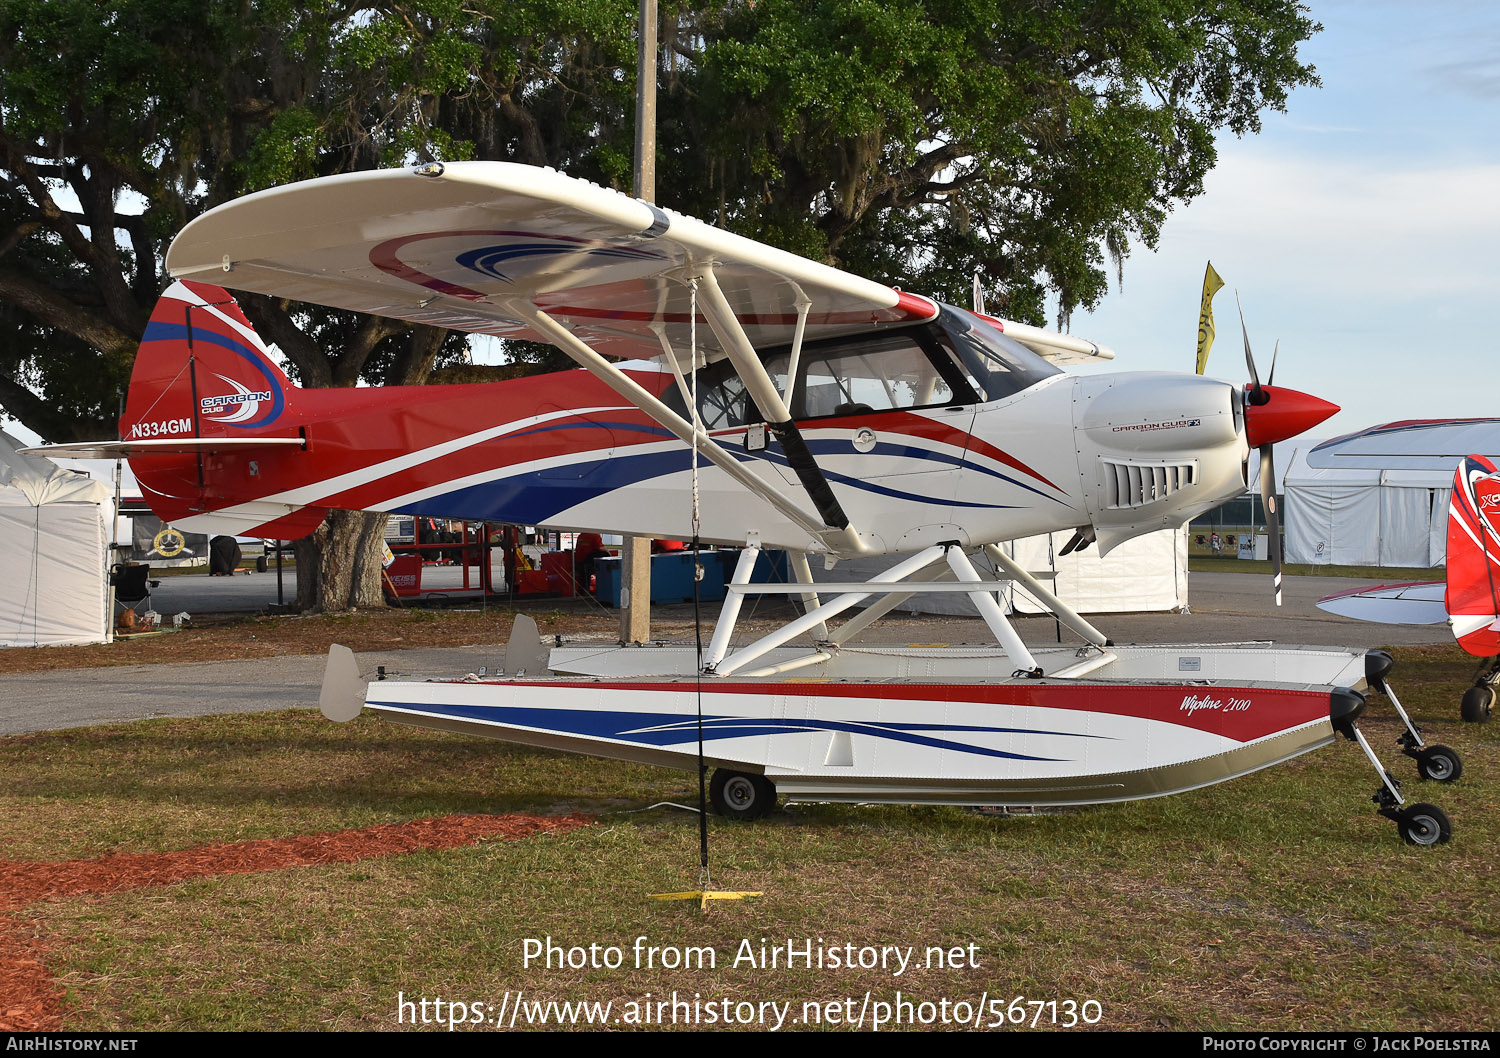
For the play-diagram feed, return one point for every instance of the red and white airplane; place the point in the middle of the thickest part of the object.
(766, 401)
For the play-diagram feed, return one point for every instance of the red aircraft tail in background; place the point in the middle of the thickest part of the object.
(1473, 596)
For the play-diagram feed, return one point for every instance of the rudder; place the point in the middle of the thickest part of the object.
(202, 371)
(1473, 594)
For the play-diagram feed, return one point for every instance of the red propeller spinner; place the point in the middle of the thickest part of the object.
(1282, 413)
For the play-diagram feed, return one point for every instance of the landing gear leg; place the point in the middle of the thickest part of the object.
(1419, 824)
(1438, 763)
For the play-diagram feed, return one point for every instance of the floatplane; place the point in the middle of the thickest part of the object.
(742, 396)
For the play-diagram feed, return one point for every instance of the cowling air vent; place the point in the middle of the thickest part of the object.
(1130, 485)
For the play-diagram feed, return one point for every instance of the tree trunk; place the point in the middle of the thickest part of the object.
(338, 565)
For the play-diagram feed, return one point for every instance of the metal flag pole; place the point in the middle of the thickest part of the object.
(705, 891)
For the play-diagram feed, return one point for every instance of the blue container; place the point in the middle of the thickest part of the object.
(770, 566)
(671, 578)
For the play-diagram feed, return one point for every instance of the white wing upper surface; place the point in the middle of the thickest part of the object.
(457, 249)
(459, 245)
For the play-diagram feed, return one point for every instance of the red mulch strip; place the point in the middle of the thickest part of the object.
(31, 1002)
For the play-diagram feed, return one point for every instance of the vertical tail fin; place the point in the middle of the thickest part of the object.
(1473, 595)
(201, 375)
(202, 371)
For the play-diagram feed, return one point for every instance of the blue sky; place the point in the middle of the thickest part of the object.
(1359, 227)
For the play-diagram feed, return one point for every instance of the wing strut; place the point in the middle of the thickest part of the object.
(768, 402)
(837, 538)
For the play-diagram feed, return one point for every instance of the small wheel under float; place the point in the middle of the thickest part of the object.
(1477, 702)
(737, 795)
(1423, 824)
(1439, 763)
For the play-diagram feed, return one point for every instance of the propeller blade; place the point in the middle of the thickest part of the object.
(1257, 394)
(1273, 517)
(1245, 333)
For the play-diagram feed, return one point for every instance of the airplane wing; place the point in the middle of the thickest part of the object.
(456, 245)
(521, 252)
(1415, 444)
(451, 244)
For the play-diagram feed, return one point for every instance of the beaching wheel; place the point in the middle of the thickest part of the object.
(736, 795)
(1424, 824)
(1439, 763)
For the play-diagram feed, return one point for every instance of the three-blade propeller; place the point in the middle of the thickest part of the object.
(1273, 414)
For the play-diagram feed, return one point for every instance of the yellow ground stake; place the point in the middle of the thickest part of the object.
(703, 896)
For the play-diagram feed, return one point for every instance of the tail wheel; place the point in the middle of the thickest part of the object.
(1440, 764)
(1424, 824)
(1477, 703)
(736, 795)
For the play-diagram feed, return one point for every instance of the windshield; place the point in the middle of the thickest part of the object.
(996, 366)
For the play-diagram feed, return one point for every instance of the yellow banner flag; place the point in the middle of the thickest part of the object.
(1211, 285)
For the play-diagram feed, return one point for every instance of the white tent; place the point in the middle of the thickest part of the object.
(1148, 573)
(54, 540)
(1380, 497)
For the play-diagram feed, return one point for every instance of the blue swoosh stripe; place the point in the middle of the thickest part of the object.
(536, 496)
(837, 447)
(885, 490)
(628, 727)
(157, 331)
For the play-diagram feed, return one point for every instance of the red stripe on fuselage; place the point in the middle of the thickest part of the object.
(914, 425)
(426, 417)
(352, 430)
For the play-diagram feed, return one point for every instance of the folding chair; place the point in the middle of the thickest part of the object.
(132, 583)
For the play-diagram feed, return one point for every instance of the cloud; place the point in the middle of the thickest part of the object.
(1476, 79)
(1403, 231)
(1297, 126)
(1378, 277)
(1476, 74)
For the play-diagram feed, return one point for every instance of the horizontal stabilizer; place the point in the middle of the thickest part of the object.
(1417, 603)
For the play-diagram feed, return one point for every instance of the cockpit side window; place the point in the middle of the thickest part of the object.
(723, 401)
(860, 374)
(885, 371)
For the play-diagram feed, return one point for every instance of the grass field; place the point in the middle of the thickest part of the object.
(1277, 901)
